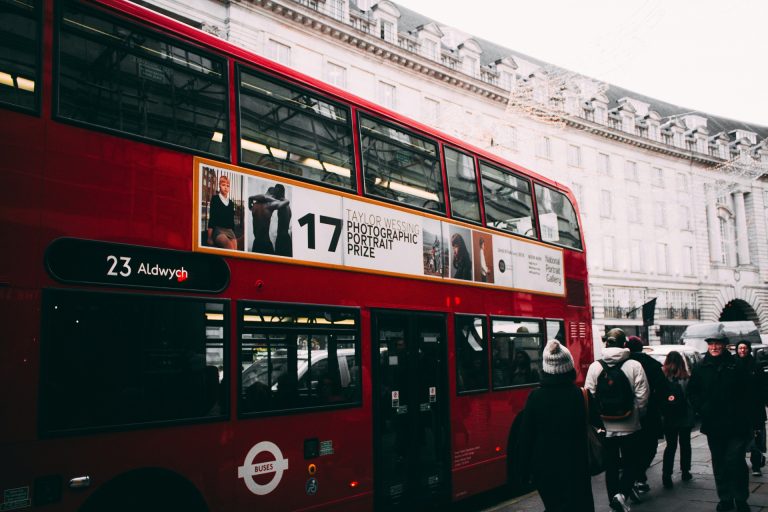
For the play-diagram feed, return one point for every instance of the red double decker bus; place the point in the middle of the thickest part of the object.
(229, 286)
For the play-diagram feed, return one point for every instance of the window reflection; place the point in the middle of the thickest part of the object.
(507, 201)
(517, 347)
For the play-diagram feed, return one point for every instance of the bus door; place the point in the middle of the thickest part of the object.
(411, 436)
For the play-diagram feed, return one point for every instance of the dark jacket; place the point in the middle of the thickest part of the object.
(719, 391)
(658, 392)
(553, 446)
(684, 417)
(757, 386)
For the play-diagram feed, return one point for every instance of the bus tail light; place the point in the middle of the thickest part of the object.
(353, 484)
(498, 449)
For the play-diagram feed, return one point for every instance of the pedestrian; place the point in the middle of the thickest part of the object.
(679, 418)
(622, 397)
(553, 438)
(652, 428)
(758, 387)
(720, 392)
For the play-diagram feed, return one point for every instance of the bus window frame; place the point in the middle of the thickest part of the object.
(240, 305)
(162, 34)
(36, 109)
(541, 336)
(575, 212)
(45, 432)
(520, 176)
(271, 75)
(478, 193)
(487, 349)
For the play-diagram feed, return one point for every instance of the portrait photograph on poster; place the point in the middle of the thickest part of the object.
(461, 258)
(222, 209)
(269, 222)
(435, 248)
(482, 248)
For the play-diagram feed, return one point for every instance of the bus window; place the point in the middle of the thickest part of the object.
(295, 357)
(401, 166)
(516, 357)
(120, 77)
(462, 183)
(121, 359)
(295, 132)
(471, 354)
(19, 47)
(557, 218)
(507, 200)
(555, 331)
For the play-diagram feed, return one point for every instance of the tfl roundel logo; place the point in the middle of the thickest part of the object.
(276, 466)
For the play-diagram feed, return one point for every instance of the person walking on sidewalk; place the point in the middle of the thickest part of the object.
(553, 439)
(652, 428)
(758, 386)
(678, 418)
(621, 391)
(720, 392)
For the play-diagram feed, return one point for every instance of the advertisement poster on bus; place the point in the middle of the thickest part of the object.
(252, 214)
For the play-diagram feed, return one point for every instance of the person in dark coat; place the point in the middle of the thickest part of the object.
(553, 438)
(720, 392)
(758, 386)
(679, 418)
(652, 428)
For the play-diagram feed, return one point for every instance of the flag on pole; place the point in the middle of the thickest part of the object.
(649, 308)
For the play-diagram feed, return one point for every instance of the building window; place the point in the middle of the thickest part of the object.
(606, 204)
(600, 114)
(470, 66)
(682, 182)
(387, 31)
(431, 109)
(630, 170)
(636, 255)
(544, 149)
(578, 193)
(662, 258)
(387, 95)
(429, 48)
(604, 164)
(609, 253)
(335, 9)
(687, 262)
(278, 52)
(725, 242)
(654, 132)
(574, 155)
(685, 218)
(336, 75)
(660, 214)
(507, 79)
(658, 177)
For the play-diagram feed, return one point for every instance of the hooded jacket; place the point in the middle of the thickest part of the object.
(636, 375)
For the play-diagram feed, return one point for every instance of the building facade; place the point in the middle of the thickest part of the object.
(674, 204)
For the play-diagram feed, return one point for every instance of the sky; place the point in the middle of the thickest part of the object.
(706, 55)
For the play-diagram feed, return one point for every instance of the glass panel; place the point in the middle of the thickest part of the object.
(295, 357)
(462, 183)
(292, 131)
(401, 166)
(112, 359)
(507, 201)
(19, 44)
(471, 354)
(118, 76)
(517, 347)
(555, 331)
(557, 218)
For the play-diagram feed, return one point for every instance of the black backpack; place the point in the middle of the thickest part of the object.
(675, 408)
(614, 393)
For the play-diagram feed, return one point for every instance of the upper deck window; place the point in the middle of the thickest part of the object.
(119, 76)
(19, 44)
(401, 166)
(507, 201)
(295, 132)
(557, 218)
(462, 182)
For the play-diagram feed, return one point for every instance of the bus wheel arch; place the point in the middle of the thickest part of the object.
(147, 490)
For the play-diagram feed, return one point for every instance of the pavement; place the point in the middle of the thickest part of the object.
(696, 495)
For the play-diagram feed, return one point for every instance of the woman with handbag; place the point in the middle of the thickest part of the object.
(553, 437)
(678, 419)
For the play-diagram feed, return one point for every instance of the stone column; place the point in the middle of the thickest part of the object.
(713, 225)
(742, 237)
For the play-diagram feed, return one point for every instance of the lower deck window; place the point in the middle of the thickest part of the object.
(517, 347)
(295, 357)
(120, 359)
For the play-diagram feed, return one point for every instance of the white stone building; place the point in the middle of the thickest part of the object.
(673, 202)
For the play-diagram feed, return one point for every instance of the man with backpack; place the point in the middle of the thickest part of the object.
(620, 388)
(652, 426)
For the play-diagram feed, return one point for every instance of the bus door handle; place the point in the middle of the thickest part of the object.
(80, 482)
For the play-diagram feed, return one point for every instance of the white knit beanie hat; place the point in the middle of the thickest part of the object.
(557, 359)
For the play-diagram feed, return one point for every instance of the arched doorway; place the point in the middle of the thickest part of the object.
(738, 309)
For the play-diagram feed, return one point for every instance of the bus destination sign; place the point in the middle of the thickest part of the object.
(73, 260)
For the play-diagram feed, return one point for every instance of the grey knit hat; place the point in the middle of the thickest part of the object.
(557, 359)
